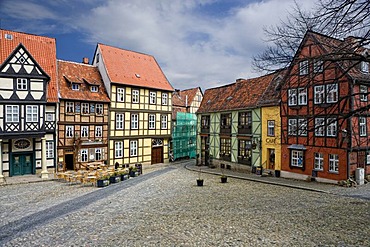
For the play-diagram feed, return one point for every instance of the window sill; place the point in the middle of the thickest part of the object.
(333, 172)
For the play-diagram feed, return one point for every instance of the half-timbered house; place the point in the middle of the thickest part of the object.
(141, 106)
(229, 124)
(83, 115)
(324, 110)
(28, 104)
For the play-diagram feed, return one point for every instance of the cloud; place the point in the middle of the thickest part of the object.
(27, 10)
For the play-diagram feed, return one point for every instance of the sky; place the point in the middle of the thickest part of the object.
(206, 43)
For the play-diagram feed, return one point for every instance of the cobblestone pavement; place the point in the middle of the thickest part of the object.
(164, 207)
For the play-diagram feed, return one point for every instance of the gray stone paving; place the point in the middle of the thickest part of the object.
(166, 208)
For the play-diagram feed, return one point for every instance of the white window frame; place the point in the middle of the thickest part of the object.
(303, 67)
(319, 93)
(84, 155)
(164, 122)
(85, 131)
(135, 95)
(49, 117)
(332, 93)
(164, 98)
(94, 89)
(133, 148)
(70, 107)
(152, 98)
(333, 163)
(120, 94)
(319, 162)
(296, 158)
(362, 126)
(319, 126)
(99, 109)
(302, 96)
(98, 131)
(151, 121)
(120, 121)
(363, 93)
(364, 67)
(134, 121)
(32, 114)
(292, 97)
(331, 127)
(85, 108)
(49, 149)
(302, 127)
(318, 66)
(98, 154)
(292, 126)
(12, 113)
(118, 149)
(70, 131)
(270, 128)
(22, 84)
(75, 86)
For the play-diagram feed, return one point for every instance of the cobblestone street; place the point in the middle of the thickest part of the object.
(164, 207)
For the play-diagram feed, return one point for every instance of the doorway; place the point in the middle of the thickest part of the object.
(21, 164)
(68, 158)
(157, 155)
(271, 158)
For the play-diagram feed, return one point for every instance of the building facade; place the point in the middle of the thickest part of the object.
(28, 104)
(83, 115)
(140, 108)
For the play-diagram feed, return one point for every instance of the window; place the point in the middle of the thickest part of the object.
(84, 155)
(21, 84)
(225, 148)
(134, 121)
(333, 162)
(244, 150)
(331, 93)
(75, 86)
(271, 128)
(151, 121)
(364, 67)
(363, 93)
(49, 117)
(302, 127)
(303, 67)
(84, 131)
(70, 107)
(85, 108)
(319, 126)
(225, 120)
(318, 66)
(49, 149)
(98, 155)
(319, 92)
(12, 113)
(292, 126)
(245, 119)
(302, 96)
(78, 107)
(118, 149)
(163, 122)
(152, 98)
(120, 118)
(69, 131)
(8, 36)
(133, 148)
(164, 99)
(205, 120)
(362, 123)
(319, 161)
(120, 94)
(32, 114)
(94, 89)
(331, 129)
(97, 58)
(99, 109)
(296, 158)
(135, 96)
(98, 131)
(292, 94)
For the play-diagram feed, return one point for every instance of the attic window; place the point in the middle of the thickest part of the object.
(364, 67)
(94, 89)
(229, 98)
(209, 101)
(8, 36)
(137, 75)
(75, 86)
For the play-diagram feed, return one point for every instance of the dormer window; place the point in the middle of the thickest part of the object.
(21, 84)
(364, 67)
(75, 86)
(8, 36)
(94, 89)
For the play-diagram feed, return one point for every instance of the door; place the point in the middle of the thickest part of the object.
(22, 164)
(204, 150)
(271, 158)
(157, 155)
(69, 161)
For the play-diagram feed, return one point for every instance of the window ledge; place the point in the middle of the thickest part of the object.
(333, 172)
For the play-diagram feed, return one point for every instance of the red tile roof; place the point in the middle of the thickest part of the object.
(84, 74)
(242, 94)
(179, 97)
(271, 96)
(42, 49)
(133, 68)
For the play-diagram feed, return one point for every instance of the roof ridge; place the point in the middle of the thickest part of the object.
(78, 63)
(142, 53)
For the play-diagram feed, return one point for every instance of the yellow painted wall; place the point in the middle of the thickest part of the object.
(273, 142)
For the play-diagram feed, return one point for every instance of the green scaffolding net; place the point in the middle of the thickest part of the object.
(184, 136)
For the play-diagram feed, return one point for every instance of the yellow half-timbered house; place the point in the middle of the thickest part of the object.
(140, 109)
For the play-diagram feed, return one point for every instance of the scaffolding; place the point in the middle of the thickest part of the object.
(184, 136)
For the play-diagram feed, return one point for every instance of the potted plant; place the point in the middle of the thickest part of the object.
(103, 180)
(133, 171)
(116, 178)
(199, 179)
(124, 174)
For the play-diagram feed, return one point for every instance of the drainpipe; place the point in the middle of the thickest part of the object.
(2, 179)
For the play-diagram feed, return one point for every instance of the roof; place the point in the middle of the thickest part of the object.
(271, 96)
(133, 68)
(84, 74)
(242, 94)
(179, 97)
(42, 49)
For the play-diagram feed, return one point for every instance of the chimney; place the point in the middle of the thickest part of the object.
(85, 60)
(239, 80)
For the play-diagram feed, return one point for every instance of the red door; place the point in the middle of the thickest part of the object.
(157, 155)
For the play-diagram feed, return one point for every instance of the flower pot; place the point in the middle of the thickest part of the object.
(200, 182)
(224, 179)
(102, 183)
(133, 174)
(115, 179)
(124, 177)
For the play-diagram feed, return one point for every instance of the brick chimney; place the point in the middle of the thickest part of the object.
(85, 60)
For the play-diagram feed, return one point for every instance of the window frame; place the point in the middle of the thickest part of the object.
(164, 122)
(364, 67)
(318, 66)
(84, 155)
(22, 84)
(99, 109)
(120, 121)
(75, 86)
(98, 152)
(84, 131)
(118, 149)
(12, 116)
(362, 126)
(334, 163)
(292, 126)
(70, 107)
(331, 127)
(164, 98)
(292, 97)
(49, 149)
(135, 96)
(302, 96)
(152, 98)
(69, 131)
(295, 159)
(363, 93)
(98, 129)
(33, 115)
(302, 127)
(330, 92)
(319, 96)
(134, 121)
(270, 127)
(318, 161)
(85, 106)
(151, 121)
(133, 148)
(303, 67)
(94, 89)
(120, 94)
(320, 127)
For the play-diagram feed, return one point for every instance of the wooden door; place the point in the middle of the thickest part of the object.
(21, 164)
(157, 155)
(69, 161)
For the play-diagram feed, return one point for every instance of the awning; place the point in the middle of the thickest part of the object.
(297, 147)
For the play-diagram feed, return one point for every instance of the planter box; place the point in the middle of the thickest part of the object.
(200, 182)
(125, 177)
(134, 174)
(115, 179)
(102, 183)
